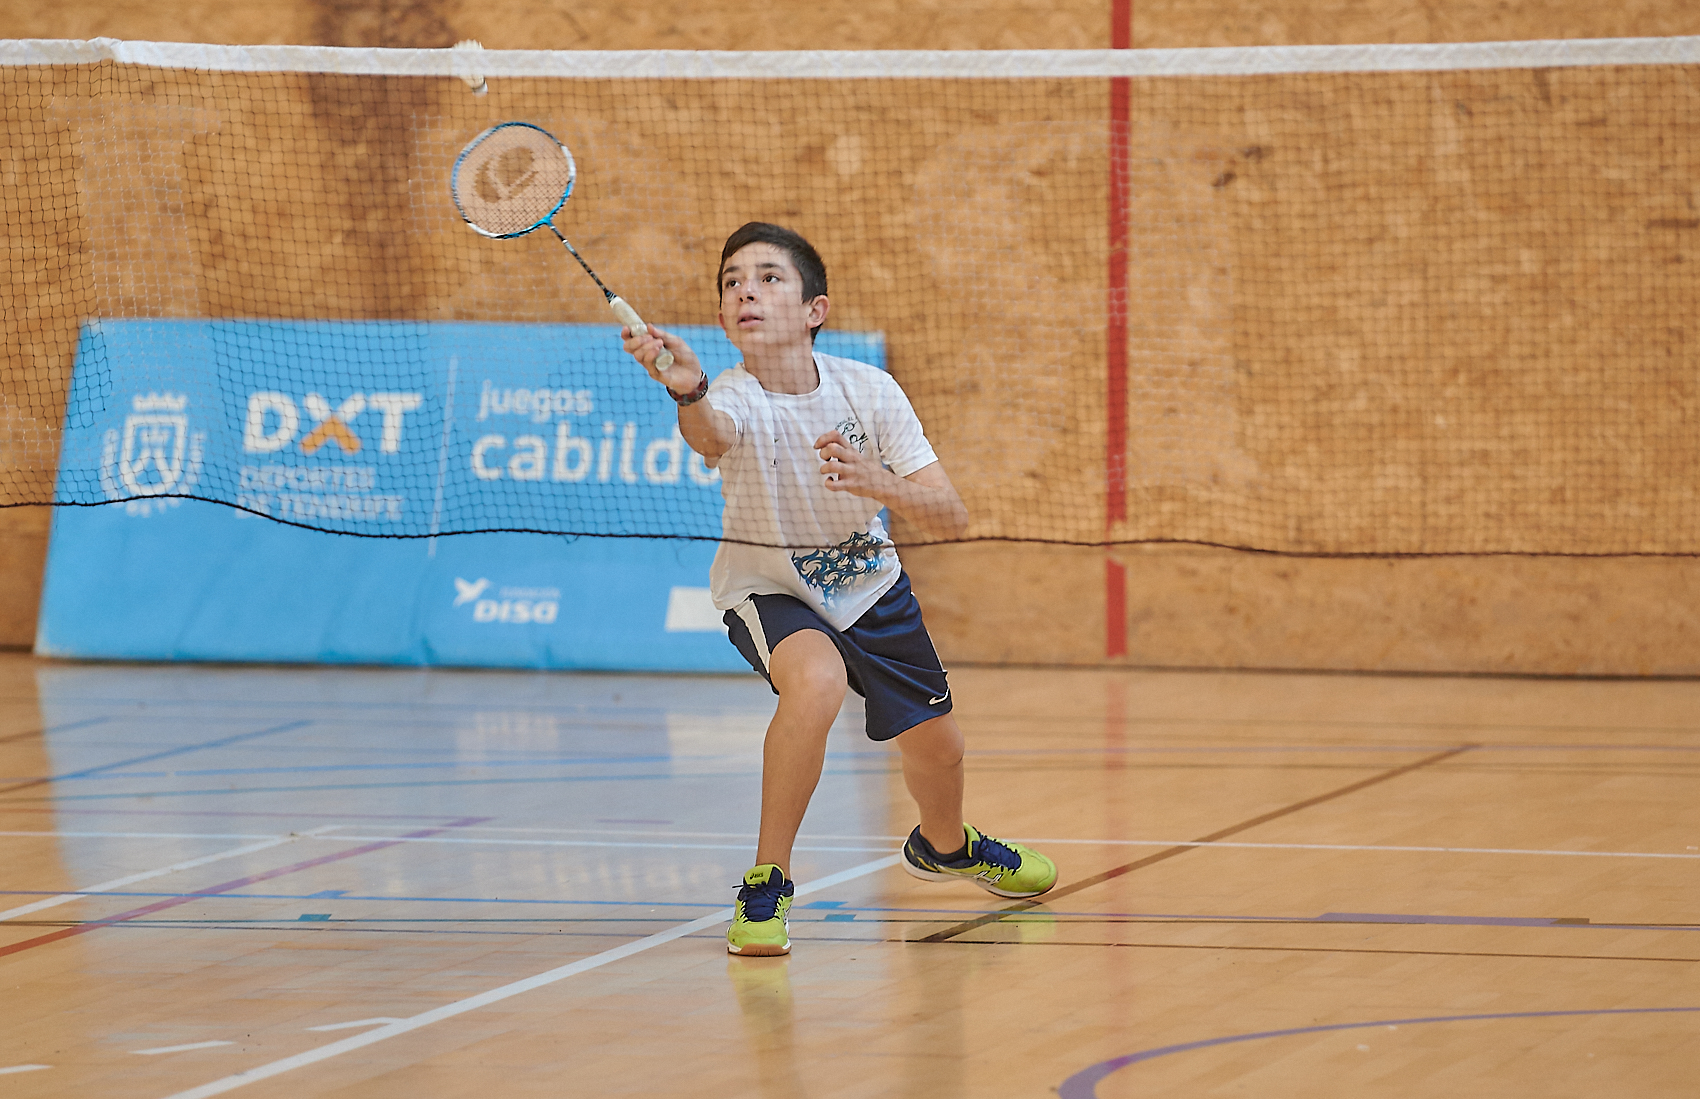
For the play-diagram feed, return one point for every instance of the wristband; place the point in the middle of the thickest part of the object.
(695, 395)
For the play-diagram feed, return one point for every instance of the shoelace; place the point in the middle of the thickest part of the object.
(995, 852)
(762, 901)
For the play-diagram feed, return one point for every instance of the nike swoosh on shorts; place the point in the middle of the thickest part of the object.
(940, 698)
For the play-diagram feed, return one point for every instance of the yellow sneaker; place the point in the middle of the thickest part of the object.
(997, 866)
(758, 922)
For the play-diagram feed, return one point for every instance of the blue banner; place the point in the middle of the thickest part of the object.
(384, 428)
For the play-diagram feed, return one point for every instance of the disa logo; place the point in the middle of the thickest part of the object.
(515, 607)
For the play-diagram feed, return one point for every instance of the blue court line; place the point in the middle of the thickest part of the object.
(1031, 916)
(1084, 1084)
(1100, 750)
(408, 900)
(69, 725)
(9, 807)
(67, 700)
(571, 761)
(182, 750)
(447, 782)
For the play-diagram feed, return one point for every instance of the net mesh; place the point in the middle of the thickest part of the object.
(1378, 312)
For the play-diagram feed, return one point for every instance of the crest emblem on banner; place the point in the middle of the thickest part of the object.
(156, 455)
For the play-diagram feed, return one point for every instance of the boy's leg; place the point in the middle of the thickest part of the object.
(808, 673)
(932, 769)
(944, 847)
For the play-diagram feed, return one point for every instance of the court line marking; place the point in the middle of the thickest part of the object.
(412, 765)
(22, 1068)
(697, 757)
(1293, 950)
(1193, 845)
(67, 727)
(1084, 1084)
(494, 995)
(318, 833)
(158, 835)
(597, 843)
(1379, 847)
(599, 716)
(381, 1020)
(181, 1049)
(1080, 842)
(131, 879)
(210, 891)
(183, 749)
(62, 811)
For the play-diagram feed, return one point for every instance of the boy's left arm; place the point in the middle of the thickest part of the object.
(925, 497)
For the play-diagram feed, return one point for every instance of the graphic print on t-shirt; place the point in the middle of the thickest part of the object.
(837, 570)
(854, 433)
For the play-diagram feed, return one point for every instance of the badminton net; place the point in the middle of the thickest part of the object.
(1331, 300)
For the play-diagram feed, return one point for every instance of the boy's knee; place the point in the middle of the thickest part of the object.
(934, 743)
(807, 663)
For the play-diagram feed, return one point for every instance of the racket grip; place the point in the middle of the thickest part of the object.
(629, 317)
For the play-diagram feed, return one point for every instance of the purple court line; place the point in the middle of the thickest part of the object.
(225, 887)
(1084, 1084)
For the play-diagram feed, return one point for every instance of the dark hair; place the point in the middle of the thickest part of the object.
(802, 253)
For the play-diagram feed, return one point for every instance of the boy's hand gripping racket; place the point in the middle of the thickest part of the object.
(510, 180)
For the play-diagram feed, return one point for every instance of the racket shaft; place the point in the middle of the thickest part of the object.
(629, 317)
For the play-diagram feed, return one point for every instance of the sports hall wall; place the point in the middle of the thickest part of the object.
(1010, 603)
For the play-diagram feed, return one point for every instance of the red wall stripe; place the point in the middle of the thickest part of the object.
(1115, 337)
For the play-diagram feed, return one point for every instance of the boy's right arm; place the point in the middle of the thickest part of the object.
(709, 431)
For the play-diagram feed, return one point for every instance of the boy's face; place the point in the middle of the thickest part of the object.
(761, 299)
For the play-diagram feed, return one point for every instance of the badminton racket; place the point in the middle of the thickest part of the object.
(513, 179)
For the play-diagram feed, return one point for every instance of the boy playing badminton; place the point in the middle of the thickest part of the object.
(810, 447)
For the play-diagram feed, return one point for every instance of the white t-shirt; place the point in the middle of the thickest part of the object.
(838, 558)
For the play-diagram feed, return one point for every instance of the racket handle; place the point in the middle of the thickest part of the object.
(629, 317)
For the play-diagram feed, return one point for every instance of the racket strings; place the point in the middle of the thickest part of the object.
(511, 180)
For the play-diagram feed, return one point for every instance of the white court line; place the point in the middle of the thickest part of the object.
(379, 1021)
(181, 1049)
(22, 1068)
(1372, 847)
(1072, 842)
(154, 835)
(584, 843)
(494, 995)
(186, 864)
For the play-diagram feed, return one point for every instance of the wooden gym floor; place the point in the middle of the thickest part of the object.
(397, 883)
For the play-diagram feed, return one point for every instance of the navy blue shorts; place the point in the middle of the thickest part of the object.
(888, 657)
